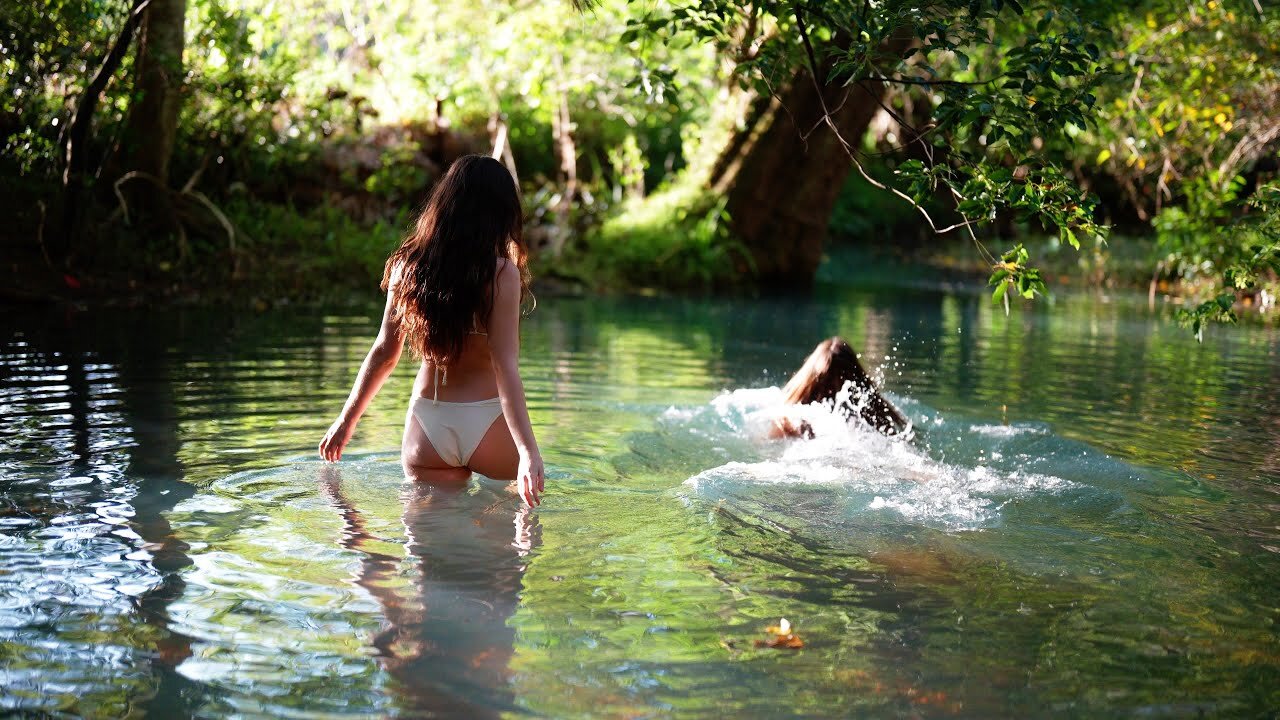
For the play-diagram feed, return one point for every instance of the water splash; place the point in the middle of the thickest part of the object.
(962, 485)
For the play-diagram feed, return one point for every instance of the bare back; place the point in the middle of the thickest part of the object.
(469, 378)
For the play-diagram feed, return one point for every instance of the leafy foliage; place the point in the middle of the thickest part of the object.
(1250, 248)
(676, 238)
(307, 103)
(1185, 130)
(1012, 272)
(998, 83)
(1021, 110)
(46, 49)
(1025, 98)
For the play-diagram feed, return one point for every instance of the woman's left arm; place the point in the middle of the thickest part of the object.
(375, 369)
(504, 347)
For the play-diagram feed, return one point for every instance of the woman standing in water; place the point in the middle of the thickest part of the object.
(454, 291)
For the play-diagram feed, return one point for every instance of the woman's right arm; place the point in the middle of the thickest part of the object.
(375, 369)
(504, 347)
(786, 427)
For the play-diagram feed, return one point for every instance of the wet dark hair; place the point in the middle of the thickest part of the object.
(826, 371)
(441, 276)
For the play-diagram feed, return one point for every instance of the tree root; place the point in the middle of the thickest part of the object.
(191, 208)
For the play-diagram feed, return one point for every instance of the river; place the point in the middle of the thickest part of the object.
(1084, 525)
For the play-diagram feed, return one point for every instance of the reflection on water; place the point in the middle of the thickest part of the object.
(1086, 523)
(446, 643)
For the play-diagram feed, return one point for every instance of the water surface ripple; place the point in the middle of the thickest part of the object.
(1086, 523)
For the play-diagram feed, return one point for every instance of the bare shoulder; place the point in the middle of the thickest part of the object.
(507, 275)
(394, 277)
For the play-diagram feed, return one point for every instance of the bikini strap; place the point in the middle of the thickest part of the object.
(435, 394)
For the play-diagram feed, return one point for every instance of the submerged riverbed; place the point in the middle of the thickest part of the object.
(1086, 523)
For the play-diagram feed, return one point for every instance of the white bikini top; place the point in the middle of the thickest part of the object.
(435, 394)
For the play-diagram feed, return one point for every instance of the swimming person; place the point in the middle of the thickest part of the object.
(454, 291)
(832, 376)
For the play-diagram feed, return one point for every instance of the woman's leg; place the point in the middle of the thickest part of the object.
(422, 463)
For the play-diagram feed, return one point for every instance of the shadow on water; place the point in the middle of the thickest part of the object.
(158, 476)
(97, 409)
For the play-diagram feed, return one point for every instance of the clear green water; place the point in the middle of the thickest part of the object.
(169, 547)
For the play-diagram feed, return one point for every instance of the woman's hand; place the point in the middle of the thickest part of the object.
(529, 478)
(336, 439)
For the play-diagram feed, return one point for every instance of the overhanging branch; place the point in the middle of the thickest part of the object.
(814, 74)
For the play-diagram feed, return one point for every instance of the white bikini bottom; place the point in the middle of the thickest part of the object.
(455, 428)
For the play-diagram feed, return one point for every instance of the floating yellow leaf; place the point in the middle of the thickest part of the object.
(781, 637)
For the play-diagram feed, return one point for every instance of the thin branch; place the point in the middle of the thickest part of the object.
(83, 115)
(776, 96)
(920, 81)
(843, 101)
(195, 176)
(814, 73)
(134, 175)
(76, 139)
(218, 215)
(902, 122)
(40, 234)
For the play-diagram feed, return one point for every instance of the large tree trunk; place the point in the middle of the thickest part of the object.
(153, 120)
(783, 172)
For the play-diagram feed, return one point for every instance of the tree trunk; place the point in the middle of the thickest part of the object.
(153, 120)
(730, 159)
(76, 167)
(562, 129)
(785, 170)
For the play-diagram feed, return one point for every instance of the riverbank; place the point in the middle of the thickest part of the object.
(1128, 266)
(324, 257)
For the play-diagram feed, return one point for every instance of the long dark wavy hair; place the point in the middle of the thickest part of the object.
(831, 366)
(441, 276)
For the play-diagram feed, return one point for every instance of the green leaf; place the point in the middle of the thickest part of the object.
(1001, 289)
(1069, 237)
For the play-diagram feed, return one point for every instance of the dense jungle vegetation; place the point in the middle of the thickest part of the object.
(277, 148)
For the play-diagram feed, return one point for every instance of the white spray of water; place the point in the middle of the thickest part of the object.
(873, 473)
